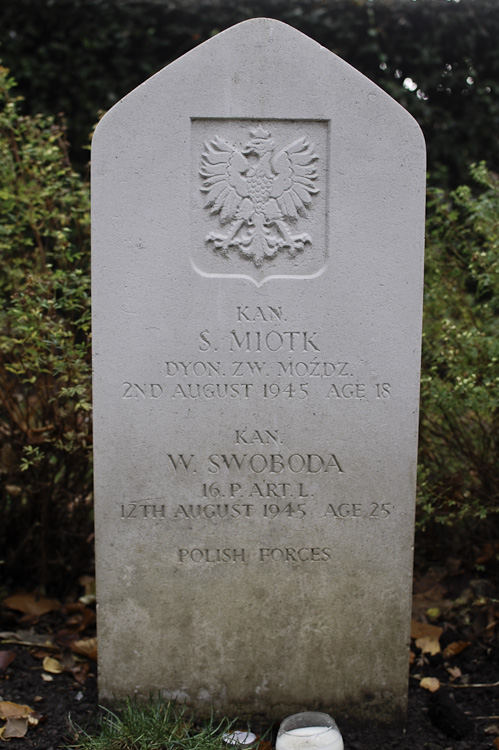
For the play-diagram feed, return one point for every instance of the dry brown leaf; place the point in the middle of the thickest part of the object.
(428, 645)
(455, 648)
(86, 647)
(31, 604)
(496, 743)
(80, 672)
(10, 710)
(6, 658)
(18, 717)
(52, 665)
(423, 630)
(80, 617)
(26, 638)
(430, 683)
(14, 728)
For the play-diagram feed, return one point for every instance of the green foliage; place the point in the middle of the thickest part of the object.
(45, 429)
(155, 725)
(438, 58)
(459, 437)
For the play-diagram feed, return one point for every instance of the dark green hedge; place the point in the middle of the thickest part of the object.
(80, 56)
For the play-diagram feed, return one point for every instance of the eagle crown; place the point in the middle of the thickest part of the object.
(261, 142)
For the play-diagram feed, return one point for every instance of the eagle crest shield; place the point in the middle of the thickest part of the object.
(259, 194)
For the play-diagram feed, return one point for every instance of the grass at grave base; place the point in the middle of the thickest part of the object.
(155, 725)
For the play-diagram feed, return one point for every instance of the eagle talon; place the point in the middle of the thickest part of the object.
(220, 241)
(301, 239)
(298, 244)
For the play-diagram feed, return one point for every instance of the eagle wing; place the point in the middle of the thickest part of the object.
(295, 172)
(222, 174)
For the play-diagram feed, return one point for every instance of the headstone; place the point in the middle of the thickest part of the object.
(257, 289)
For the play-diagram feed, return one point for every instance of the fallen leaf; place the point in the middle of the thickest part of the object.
(6, 658)
(47, 677)
(423, 630)
(10, 710)
(430, 683)
(14, 728)
(31, 604)
(454, 672)
(496, 743)
(80, 616)
(52, 665)
(18, 717)
(455, 648)
(80, 672)
(428, 645)
(26, 638)
(86, 647)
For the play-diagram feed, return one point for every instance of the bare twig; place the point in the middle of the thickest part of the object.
(478, 685)
(485, 718)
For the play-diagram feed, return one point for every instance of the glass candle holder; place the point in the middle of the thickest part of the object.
(311, 730)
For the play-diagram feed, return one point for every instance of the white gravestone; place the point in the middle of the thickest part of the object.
(257, 286)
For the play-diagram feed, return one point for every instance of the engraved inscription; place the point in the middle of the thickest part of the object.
(241, 487)
(290, 554)
(259, 193)
(250, 362)
(276, 463)
(216, 555)
(262, 554)
(341, 512)
(262, 355)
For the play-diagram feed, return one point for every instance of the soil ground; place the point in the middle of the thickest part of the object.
(462, 714)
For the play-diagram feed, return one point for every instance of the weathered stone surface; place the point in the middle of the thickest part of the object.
(257, 286)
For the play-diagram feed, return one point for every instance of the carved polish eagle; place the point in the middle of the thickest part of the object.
(259, 194)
